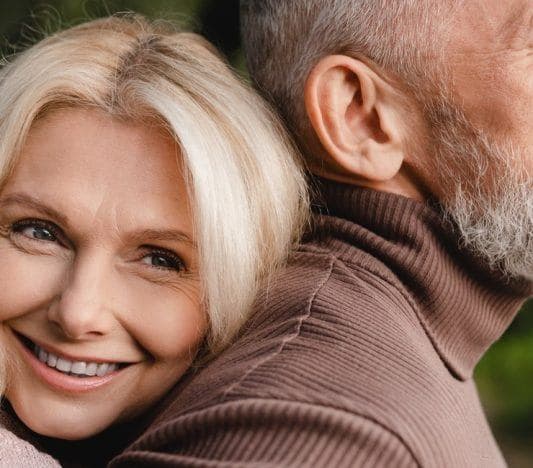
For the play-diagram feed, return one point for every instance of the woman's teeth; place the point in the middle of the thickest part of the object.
(76, 368)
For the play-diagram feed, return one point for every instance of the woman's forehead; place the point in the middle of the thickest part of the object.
(97, 149)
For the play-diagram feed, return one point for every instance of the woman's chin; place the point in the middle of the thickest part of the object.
(75, 424)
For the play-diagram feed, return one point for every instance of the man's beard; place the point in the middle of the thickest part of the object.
(485, 187)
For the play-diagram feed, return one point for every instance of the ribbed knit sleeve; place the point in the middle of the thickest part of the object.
(260, 432)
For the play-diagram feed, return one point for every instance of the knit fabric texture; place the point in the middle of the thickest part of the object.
(16, 452)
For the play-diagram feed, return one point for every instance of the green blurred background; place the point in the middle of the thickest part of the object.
(505, 375)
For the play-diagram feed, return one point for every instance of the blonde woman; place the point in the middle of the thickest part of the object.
(146, 195)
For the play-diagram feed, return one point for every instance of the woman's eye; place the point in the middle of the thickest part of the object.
(39, 233)
(34, 230)
(165, 261)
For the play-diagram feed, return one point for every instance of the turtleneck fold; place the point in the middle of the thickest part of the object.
(463, 305)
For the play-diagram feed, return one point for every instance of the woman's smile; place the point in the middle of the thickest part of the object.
(68, 372)
(68, 375)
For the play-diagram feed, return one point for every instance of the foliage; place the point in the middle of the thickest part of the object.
(23, 22)
(505, 382)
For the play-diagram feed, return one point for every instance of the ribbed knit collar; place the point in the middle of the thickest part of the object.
(463, 306)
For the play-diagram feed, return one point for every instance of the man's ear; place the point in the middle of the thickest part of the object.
(353, 112)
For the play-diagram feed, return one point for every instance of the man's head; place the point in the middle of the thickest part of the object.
(421, 98)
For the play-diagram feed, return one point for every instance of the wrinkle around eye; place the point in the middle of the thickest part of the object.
(175, 280)
(162, 276)
(191, 291)
(40, 247)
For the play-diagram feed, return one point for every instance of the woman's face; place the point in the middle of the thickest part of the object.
(100, 298)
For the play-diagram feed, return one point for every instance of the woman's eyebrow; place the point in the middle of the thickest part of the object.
(33, 203)
(171, 235)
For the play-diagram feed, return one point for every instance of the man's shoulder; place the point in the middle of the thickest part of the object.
(319, 282)
(332, 330)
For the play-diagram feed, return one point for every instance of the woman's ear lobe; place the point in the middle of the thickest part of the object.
(351, 110)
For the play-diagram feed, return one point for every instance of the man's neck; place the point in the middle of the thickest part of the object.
(404, 183)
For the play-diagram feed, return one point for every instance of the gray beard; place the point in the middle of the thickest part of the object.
(487, 190)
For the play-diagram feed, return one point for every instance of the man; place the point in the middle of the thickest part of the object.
(416, 116)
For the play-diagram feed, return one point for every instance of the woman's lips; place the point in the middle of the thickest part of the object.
(64, 374)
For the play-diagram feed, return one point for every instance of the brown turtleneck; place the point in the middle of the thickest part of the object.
(360, 355)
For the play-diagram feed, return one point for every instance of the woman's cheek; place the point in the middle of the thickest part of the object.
(169, 322)
(28, 281)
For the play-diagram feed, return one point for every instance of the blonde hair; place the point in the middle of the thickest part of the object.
(247, 189)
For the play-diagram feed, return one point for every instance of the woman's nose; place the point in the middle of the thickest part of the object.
(83, 309)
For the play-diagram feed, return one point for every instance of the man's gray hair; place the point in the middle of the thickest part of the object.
(284, 39)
